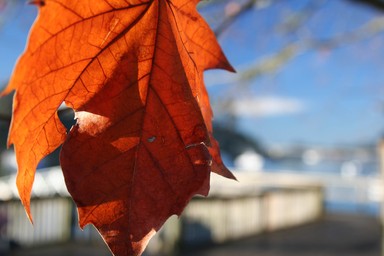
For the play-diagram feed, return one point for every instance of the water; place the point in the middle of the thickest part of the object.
(347, 184)
(350, 167)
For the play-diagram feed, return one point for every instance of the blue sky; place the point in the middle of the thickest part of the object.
(340, 89)
(338, 93)
(15, 23)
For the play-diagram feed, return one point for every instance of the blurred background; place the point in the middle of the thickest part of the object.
(300, 124)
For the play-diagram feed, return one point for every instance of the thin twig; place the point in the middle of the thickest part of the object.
(229, 20)
(377, 4)
(5, 118)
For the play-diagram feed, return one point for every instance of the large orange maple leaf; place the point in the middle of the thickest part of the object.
(142, 145)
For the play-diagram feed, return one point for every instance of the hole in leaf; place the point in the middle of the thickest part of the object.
(151, 139)
(66, 116)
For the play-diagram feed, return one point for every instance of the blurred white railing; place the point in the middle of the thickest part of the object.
(232, 211)
(231, 218)
(357, 190)
(52, 221)
(361, 194)
(235, 210)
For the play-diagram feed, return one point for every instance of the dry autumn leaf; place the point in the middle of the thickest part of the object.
(142, 145)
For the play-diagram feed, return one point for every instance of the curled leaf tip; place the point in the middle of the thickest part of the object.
(27, 208)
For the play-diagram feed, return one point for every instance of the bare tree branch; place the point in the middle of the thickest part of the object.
(378, 4)
(271, 63)
(290, 25)
(5, 118)
(286, 53)
(232, 18)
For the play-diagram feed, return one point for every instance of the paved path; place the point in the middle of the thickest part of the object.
(64, 250)
(336, 235)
